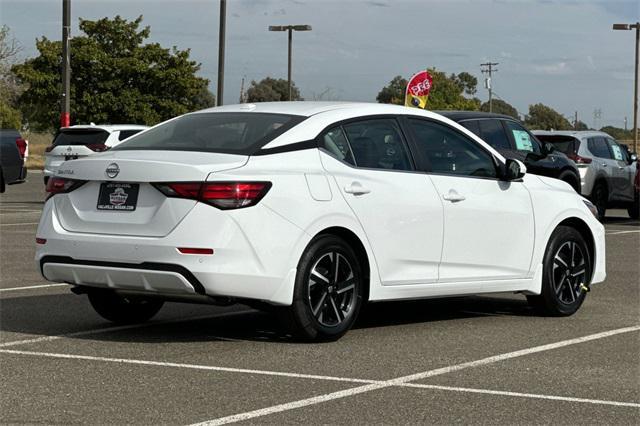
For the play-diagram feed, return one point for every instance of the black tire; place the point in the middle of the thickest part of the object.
(123, 310)
(3, 186)
(634, 208)
(46, 180)
(599, 197)
(326, 301)
(566, 271)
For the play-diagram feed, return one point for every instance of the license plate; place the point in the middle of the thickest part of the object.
(118, 196)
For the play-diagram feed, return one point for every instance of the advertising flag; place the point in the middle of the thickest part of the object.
(418, 90)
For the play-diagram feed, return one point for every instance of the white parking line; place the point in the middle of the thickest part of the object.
(635, 231)
(118, 328)
(524, 395)
(412, 377)
(31, 287)
(18, 224)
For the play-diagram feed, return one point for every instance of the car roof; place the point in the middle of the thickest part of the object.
(471, 115)
(107, 127)
(573, 133)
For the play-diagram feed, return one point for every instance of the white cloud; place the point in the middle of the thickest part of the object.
(557, 68)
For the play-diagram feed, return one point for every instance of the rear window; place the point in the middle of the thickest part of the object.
(127, 133)
(228, 133)
(80, 137)
(568, 145)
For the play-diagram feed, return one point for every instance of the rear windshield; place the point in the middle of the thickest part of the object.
(565, 144)
(228, 133)
(80, 137)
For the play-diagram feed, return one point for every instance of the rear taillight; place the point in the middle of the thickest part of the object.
(22, 146)
(57, 185)
(97, 147)
(49, 148)
(580, 160)
(223, 195)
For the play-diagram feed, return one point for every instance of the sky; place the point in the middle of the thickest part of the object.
(562, 53)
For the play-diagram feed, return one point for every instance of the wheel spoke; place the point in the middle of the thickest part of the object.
(315, 276)
(559, 259)
(578, 273)
(573, 254)
(319, 304)
(559, 287)
(339, 313)
(336, 267)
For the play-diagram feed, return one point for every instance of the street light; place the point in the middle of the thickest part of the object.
(291, 29)
(636, 27)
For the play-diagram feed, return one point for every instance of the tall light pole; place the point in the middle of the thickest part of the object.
(636, 27)
(489, 68)
(65, 110)
(290, 29)
(221, 36)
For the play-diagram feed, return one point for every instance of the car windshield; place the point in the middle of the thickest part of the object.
(220, 132)
(80, 137)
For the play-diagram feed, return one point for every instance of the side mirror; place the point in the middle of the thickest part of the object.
(633, 157)
(549, 148)
(513, 169)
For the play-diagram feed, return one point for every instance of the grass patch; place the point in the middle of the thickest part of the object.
(37, 143)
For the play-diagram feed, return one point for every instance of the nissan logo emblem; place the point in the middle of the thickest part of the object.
(112, 170)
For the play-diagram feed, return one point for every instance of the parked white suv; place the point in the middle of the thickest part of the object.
(607, 170)
(82, 140)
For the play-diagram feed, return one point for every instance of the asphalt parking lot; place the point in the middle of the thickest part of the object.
(465, 360)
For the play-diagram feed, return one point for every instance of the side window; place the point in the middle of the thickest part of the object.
(618, 152)
(126, 133)
(450, 152)
(598, 147)
(473, 126)
(335, 142)
(378, 144)
(522, 139)
(493, 133)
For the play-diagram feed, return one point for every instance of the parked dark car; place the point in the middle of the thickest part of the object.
(13, 153)
(509, 137)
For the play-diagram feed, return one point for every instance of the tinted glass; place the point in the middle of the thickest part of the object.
(80, 137)
(378, 144)
(450, 152)
(522, 139)
(598, 147)
(231, 133)
(473, 126)
(335, 143)
(126, 133)
(565, 144)
(493, 133)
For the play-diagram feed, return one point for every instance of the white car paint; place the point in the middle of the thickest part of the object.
(418, 243)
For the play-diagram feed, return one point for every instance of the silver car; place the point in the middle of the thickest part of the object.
(607, 170)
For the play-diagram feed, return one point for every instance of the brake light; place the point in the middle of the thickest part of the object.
(580, 160)
(22, 146)
(58, 185)
(193, 250)
(41, 240)
(222, 195)
(97, 147)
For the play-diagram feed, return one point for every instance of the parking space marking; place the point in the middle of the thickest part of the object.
(118, 328)
(524, 395)
(635, 231)
(32, 287)
(18, 224)
(412, 377)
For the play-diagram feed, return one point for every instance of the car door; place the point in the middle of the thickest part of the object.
(530, 151)
(623, 172)
(605, 163)
(398, 207)
(488, 223)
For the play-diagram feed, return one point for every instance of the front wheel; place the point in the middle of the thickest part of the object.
(328, 290)
(599, 199)
(121, 309)
(565, 275)
(634, 208)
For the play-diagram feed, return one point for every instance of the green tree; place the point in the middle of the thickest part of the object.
(447, 91)
(500, 107)
(617, 133)
(580, 125)
(272, 90)
(542, 117)
(394, 92)
(9, 88)
(116, 77)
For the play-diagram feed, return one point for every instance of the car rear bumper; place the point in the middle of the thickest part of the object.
(255, 256)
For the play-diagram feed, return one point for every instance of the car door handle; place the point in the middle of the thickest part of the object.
(453, 196)
(356, 188)
(604, 164)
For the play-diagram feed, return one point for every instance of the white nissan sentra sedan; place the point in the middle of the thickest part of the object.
(314, 209)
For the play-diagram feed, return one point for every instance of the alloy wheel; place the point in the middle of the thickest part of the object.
(569, 272)
(332, 289)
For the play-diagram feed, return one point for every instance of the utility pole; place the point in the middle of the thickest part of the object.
(636, 27)
(65, 111)
(488, 68)
(242, 98)
(575, 122)
(625, 124)
(221, 36)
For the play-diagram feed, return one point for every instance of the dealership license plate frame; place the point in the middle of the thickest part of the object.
(109, 199)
